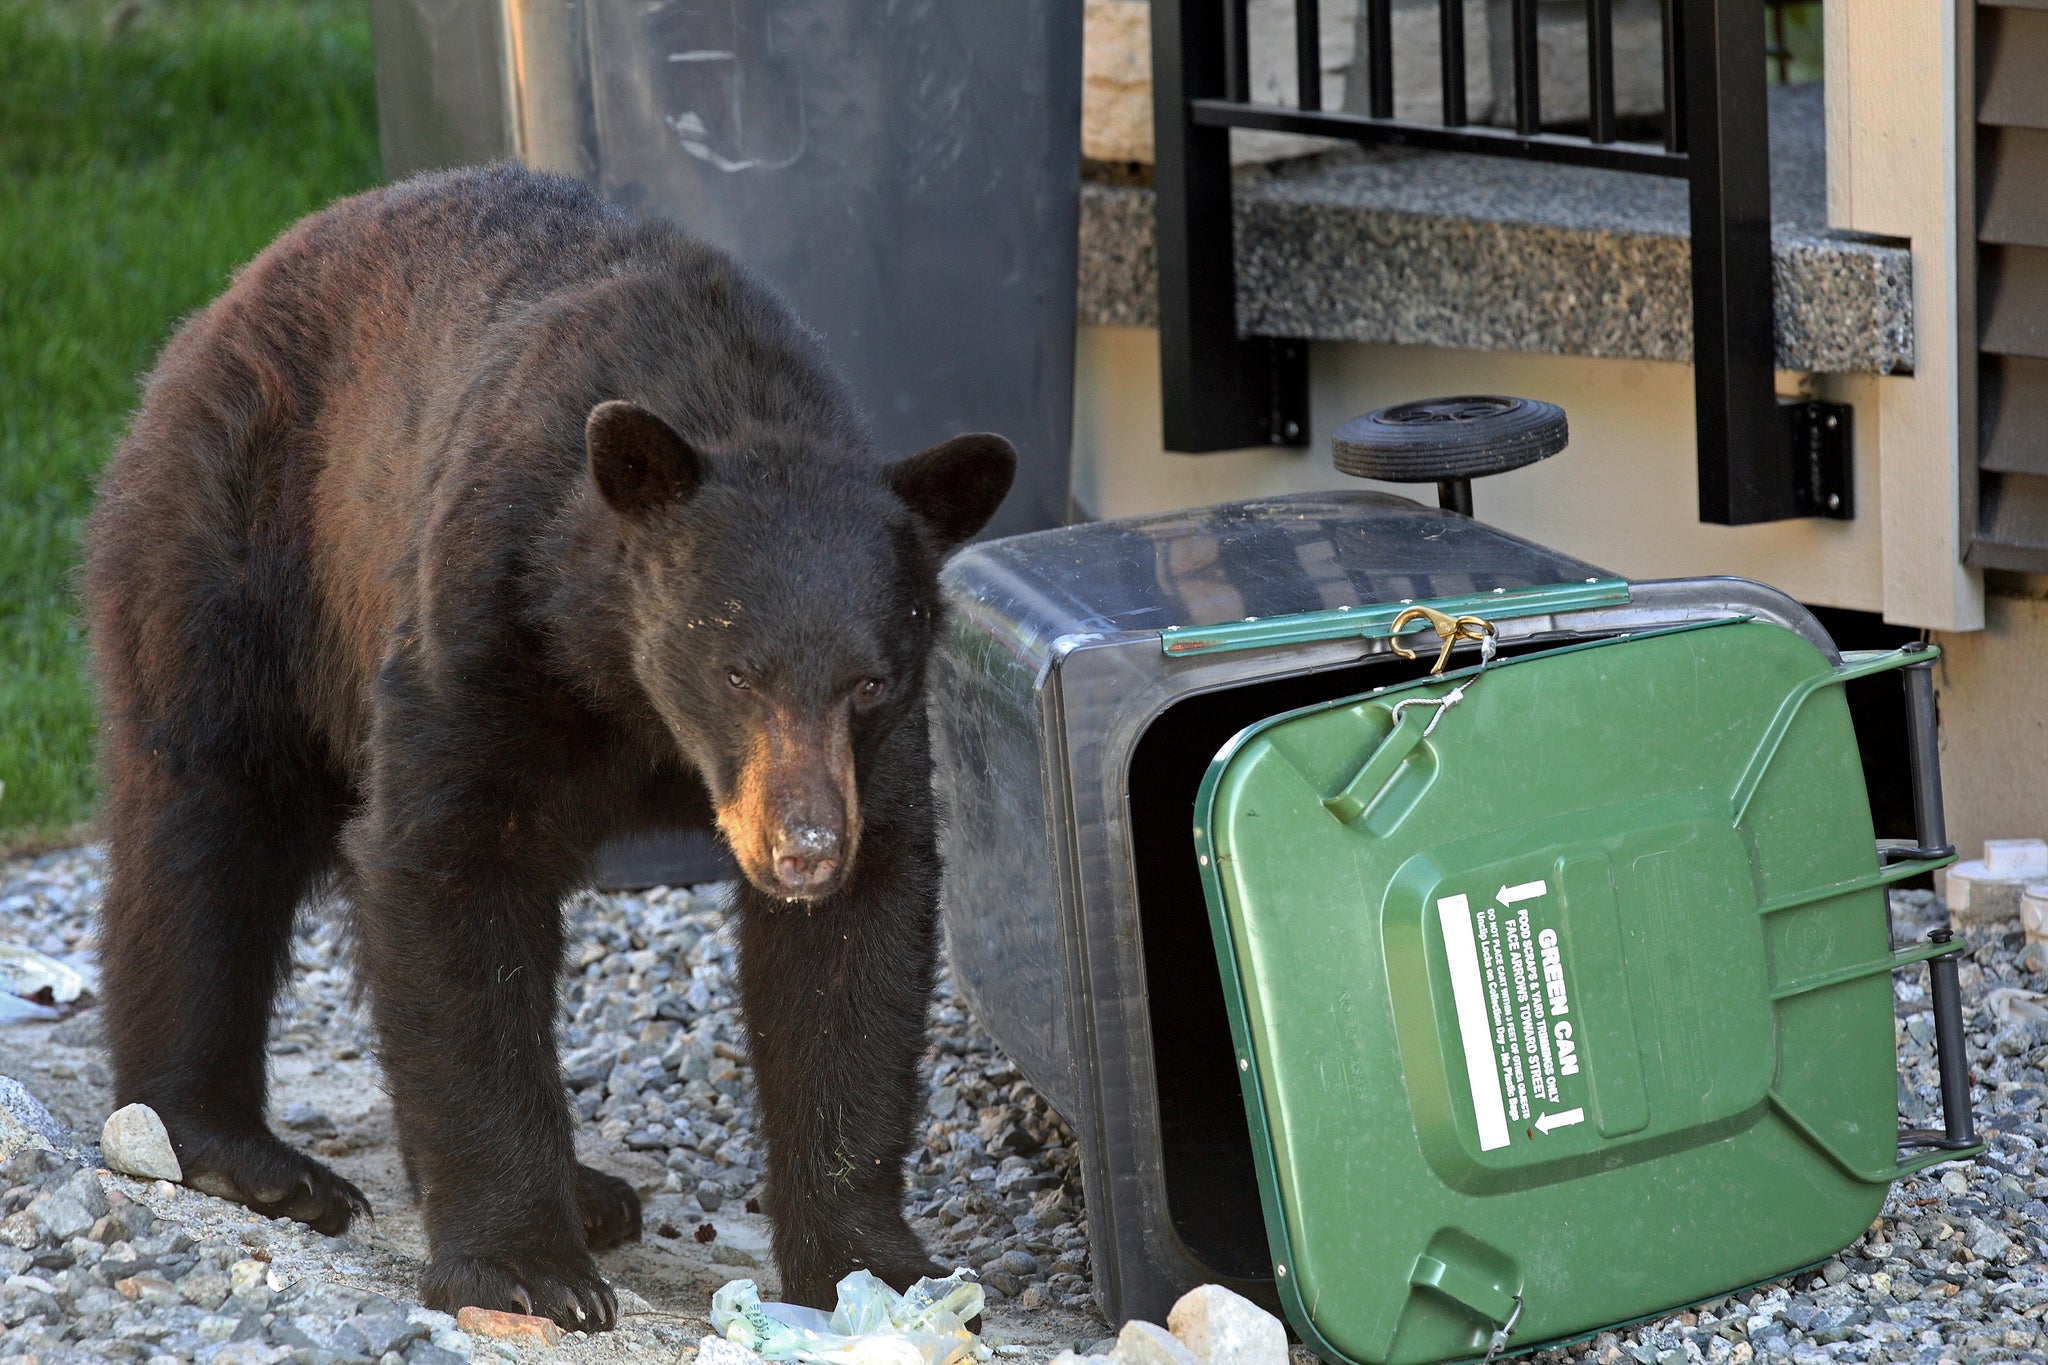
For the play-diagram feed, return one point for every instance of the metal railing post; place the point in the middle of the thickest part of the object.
(1744, 469)
(1220, 391)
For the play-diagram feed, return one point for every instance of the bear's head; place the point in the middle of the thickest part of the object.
(780, 604)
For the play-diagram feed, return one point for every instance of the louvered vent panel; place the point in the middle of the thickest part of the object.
(2012, 186)
(2012, 405)
(2010, 171)
(2012, 67)
(2012, 300)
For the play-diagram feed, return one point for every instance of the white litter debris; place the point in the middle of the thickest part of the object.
(2012, 1005)
(39, 981)
(872, 1324)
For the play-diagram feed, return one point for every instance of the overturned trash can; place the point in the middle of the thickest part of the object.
(1427, 933)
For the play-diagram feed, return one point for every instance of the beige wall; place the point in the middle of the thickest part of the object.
(1622, 495)
(1993, 691)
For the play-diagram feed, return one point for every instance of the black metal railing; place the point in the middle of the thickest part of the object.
(1759, 459)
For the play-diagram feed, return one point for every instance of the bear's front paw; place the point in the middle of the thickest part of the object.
(609, 1207)
(275, 1180)
(565, 1287)
(898, 1261)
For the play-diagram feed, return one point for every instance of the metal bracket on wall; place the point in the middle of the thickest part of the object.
(1819, 455)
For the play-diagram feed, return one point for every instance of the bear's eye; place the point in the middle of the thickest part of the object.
(870, 689)
(737, 681)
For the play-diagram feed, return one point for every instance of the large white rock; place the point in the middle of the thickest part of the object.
(1223, 1328)
(1147, 1343)
(135, 1142)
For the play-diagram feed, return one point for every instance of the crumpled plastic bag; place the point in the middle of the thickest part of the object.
(872, 1325)
(2012, 1005)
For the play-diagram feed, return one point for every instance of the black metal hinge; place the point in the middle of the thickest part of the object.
(1819, 453)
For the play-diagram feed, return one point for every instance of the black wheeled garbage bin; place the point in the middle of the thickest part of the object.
(1426, 1007)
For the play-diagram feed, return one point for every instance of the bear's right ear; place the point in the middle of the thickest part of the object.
(639, 462)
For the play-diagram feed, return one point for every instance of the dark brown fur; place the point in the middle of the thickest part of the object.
(474, 524)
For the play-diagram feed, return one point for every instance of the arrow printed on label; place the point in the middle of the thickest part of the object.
(1527, 891)
(1548, 1122)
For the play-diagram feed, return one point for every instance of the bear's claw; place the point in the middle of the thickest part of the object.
(564, 1288)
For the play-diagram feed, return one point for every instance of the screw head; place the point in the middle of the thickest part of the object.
(1834, 502)
(1291, 429)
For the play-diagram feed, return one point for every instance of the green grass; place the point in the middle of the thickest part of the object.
(138, 169)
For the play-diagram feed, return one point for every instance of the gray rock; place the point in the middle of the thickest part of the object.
(306, 1118)
(24, 1122)
(1020, 1263)
(389, 1330)
(21, 1231)
(206, 1287)
(135, 1142)
(1223, 1328)
(427, 1353)
(251, 1352)
(71, 1208)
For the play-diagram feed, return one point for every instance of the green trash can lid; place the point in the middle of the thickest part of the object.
(1561, 990)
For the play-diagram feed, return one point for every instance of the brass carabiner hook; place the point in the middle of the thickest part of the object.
(1449, 629)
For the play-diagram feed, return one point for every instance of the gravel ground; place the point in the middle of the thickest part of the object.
(99, 1266)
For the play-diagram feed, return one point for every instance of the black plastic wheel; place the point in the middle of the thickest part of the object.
(1441, 439)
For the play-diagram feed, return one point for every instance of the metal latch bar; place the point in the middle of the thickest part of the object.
(1376, 621)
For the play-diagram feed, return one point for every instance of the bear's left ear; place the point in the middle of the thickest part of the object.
(956, 486)
(638, 461)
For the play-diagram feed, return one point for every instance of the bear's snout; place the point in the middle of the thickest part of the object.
(807, 857)
(792, 816)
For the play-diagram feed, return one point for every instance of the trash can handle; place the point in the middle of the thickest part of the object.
(1957, 1138)
(1923, 754)
(1472, 1290)
(1958, 1131)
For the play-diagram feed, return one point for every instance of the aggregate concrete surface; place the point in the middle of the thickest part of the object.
(1396, 246)
(99, 1266)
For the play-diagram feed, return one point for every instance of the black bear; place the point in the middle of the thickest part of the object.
(475, 523)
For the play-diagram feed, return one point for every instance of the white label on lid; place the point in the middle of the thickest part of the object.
(1475, 1029)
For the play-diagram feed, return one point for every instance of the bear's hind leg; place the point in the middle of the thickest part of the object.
(207, 870)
